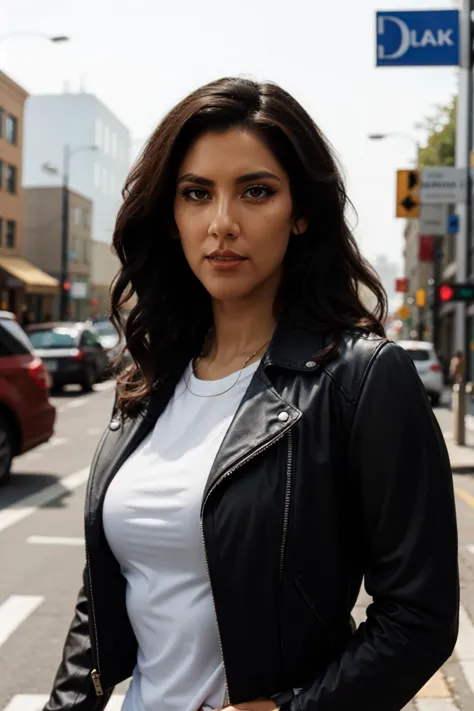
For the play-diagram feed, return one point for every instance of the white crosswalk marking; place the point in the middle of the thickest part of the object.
(35, 702)
(14, 611)
(435, 705)
(55, 540)
(465, 647)
(470, 549)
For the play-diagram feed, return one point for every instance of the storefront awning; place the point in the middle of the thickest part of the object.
(35, 280)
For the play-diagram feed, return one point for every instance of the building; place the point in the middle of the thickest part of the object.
(387, 272)
(42, 245)
(105, 266)
(22, 285)
(100, 147)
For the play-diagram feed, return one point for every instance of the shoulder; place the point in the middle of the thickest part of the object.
(365, 355)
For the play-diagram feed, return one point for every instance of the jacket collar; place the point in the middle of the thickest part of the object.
(294, 347)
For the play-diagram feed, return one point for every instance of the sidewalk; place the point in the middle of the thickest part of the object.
(462, 457)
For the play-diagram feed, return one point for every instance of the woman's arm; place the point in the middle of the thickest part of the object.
(73, 688)
(403, 477)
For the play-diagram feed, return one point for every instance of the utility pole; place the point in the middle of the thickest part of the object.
(469, 136)
(64, 300)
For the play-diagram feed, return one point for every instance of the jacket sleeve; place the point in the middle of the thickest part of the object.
(400, 468)
(73, 688)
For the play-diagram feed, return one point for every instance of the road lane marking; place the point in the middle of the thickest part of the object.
(32, 503)
(14, 611)
(470, 549)
(36, 702)
(467, 498)
(95, 431)
(77, 403)
(55, 541)
(105, 387)
(54, 442)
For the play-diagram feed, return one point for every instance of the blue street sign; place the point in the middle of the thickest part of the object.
(453, 224)
(421, 38)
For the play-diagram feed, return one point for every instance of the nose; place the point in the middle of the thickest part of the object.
(223, 225)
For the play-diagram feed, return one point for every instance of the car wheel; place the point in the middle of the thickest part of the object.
(6, 451)
(435, 399)
(89, 380)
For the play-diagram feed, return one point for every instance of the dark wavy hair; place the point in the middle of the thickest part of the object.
(324, 271)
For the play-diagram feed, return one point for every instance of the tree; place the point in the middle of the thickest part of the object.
(440, 146)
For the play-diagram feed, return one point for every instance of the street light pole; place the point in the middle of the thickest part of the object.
(64, 299)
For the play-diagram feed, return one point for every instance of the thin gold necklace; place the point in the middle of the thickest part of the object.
(196, 361)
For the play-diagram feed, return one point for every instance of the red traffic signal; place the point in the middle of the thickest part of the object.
(67, 285)
(446, 292)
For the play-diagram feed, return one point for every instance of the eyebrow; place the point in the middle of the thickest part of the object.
(247, 178)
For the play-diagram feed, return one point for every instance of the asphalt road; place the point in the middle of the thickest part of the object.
(42, 557)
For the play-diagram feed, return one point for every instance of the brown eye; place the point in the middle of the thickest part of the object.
(195, 194)
(258, 192)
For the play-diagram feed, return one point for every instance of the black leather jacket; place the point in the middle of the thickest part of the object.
(327, 474)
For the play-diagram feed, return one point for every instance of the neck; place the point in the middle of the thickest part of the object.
(240, 328)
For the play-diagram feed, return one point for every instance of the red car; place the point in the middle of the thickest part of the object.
(26, 415)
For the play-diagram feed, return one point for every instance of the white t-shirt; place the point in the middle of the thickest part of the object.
(151, 519)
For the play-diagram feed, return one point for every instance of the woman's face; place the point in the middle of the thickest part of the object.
(234, 214)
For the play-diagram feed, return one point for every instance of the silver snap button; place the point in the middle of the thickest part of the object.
(283, 417)
(114, 425)
(311, 364)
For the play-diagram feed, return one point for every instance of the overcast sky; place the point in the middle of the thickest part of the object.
(141, 56)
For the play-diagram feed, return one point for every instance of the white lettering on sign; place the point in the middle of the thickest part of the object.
(410, 38)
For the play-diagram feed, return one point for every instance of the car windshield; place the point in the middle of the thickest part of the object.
(17, 332)
(53, 338)
(105, 328)
(418, 355)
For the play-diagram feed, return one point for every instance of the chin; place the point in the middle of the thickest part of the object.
(228, 291)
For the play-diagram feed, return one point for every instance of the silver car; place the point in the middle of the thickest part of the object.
(427, 364)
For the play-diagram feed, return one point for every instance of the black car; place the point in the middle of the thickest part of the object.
(72, 353)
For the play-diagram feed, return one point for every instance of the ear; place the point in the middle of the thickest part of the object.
(300, 226)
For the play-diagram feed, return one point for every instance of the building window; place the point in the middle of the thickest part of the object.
(11, 233)
(106, 139)
(1, 231)
(1, 174)
(76, 215)
(104, 181)
(85, 219)
(2, 113)
(112, 184)
(11, 178)
(114, 145)
(12, 129)
(98, 133)
(97, 174)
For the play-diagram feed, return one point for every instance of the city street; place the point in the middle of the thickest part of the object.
(41, 559)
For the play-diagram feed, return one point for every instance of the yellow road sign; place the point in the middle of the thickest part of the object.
(408, 198)
(404, 312)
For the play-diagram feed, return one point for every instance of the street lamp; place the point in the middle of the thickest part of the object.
(49, 167)
(406, 136)
(56, 39)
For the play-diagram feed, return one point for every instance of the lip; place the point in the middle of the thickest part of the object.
(228, 262)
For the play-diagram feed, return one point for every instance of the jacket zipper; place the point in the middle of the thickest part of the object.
(286, 514)
(95, 673)
(226, 474)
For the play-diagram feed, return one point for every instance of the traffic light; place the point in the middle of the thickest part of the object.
(456, 292)
(420, 298)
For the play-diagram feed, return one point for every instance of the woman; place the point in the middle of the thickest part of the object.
(269, 447)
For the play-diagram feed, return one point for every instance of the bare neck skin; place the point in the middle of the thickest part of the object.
(240, 328)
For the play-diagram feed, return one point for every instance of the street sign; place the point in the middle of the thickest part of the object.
(408, 202)
(402, 286)
(443, 185)
(433, 219)
(420, 38)
(456, 292)
(453, 224)
(404, 312)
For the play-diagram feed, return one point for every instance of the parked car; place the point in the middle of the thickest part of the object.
(428, 366)
(113, 344)
(26, 415)
(72, 353)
